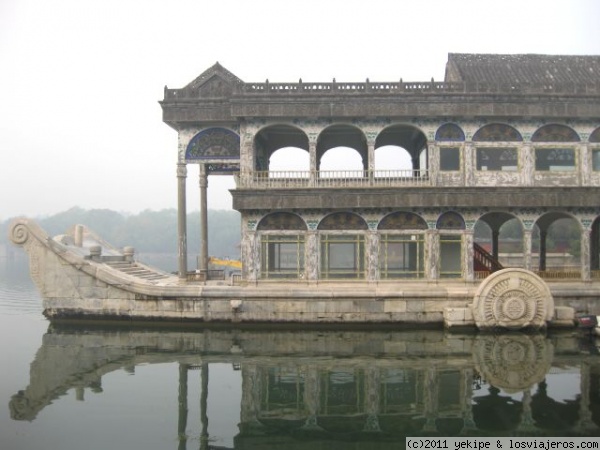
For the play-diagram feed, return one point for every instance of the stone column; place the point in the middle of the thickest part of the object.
(432, 254)
(371, 161)
(203, 259)
(433, 166)
(311, 256)
(251, 256)
(495, 236)
(312, 153)
(182, 220)
(542, 264)
(586, 273)
(372, 250)
(468, 164)
(585, 167)
(468, 255)
(527, 165)
(527, 248)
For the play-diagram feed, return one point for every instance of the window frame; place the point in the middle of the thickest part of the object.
(270, 269)
(359, 264)
(405, 239)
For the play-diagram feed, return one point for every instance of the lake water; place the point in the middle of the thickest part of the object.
(98, 386)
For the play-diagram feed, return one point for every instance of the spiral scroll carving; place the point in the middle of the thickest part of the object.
(513, 299)
(19, 233)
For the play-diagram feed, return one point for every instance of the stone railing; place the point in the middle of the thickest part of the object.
(293, 179)
(393, 88)
(559, 274)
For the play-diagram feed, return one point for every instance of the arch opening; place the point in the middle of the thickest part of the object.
(556, 245)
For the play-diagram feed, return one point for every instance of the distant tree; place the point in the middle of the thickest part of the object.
(149, 231)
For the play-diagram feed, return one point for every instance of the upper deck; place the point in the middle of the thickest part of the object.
(510, 121)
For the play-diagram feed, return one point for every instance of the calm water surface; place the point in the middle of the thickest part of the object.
(95, 386)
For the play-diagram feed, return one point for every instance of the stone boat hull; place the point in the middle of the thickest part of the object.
(82, 277)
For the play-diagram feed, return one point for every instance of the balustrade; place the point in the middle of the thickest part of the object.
(295, 179)
(398, 87)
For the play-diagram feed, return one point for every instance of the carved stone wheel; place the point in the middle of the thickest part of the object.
(513, 299)
(513, 362)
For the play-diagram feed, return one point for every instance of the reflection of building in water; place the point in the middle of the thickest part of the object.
(332, 398)
(304, 389)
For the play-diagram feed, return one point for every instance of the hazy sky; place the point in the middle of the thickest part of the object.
(80, 123)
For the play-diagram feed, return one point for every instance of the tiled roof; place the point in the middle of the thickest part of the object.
(529, 68)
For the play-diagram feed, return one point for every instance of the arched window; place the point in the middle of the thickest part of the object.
(408, 147)
(450, 244)
(560, 156)
(213, 144)
(449, 135)
(290, 143)
(497, 132)
(342, 152)
(449, 132)
(282, 245)
(402, 246)
(342, 243)
(555, 133)
(497, 157)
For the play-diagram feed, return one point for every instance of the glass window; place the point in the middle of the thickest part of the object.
(499, 159)
(282, 256)
(450, 256)
(596, 160)
(401, 256)
(449, 158)
(554, 159)
(342, 256)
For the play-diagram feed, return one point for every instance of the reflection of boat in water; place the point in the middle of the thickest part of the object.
(340, 385)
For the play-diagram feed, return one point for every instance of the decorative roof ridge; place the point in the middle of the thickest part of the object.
(215, 69)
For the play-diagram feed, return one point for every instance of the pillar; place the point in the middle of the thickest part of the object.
(527, 162)
(203, 183)
(372, 250)
(371, 161)
(594, 246)
(469, 160)
(495, 236)
(311, 256)
(586, 273)
(432, 254)
(543, 236)
(527, 248)
(312, 153)
(182, 220)
(468, 255)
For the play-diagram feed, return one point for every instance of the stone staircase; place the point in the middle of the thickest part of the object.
(134, 269)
